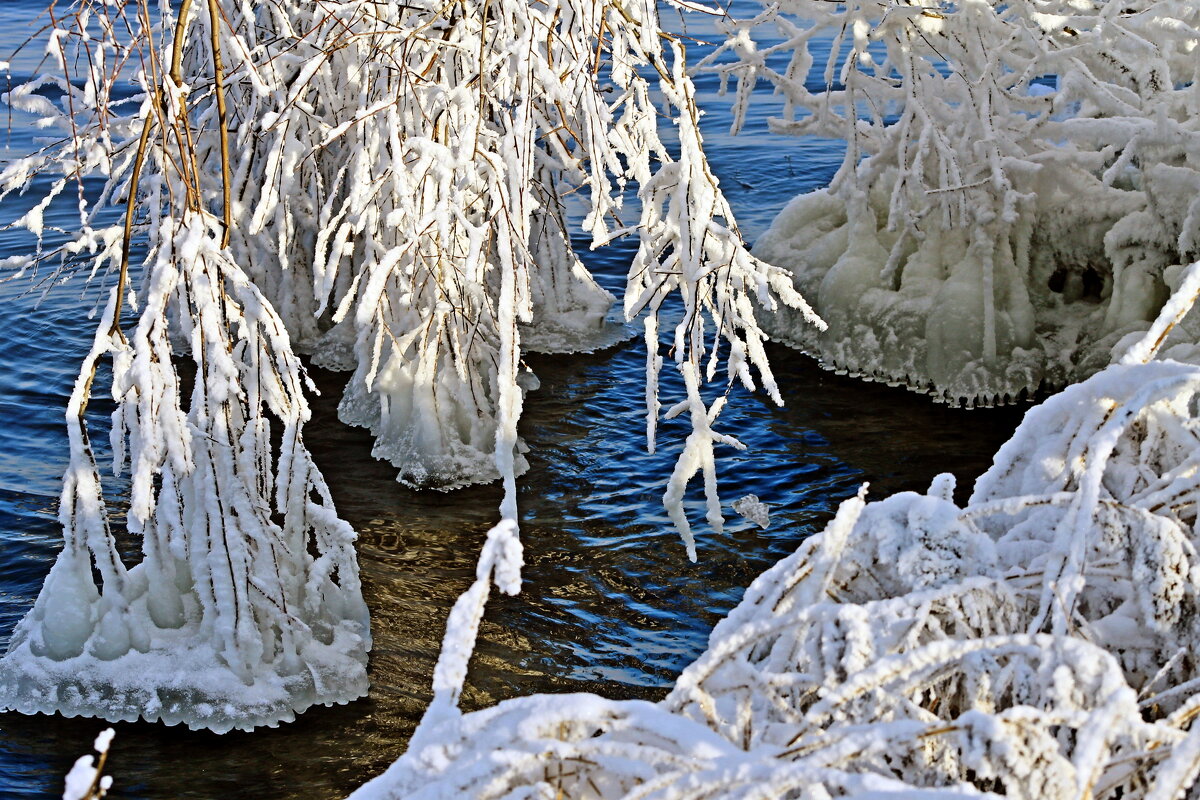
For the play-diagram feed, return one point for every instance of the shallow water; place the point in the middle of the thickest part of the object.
(610, 603)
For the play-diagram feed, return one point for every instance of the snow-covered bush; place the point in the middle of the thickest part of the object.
(1038, 643)
(381, 186)
(1020, 186)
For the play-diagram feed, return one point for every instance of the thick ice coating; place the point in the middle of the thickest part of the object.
(382, 186)
(243, 605)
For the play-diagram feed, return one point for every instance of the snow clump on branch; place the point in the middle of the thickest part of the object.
(382, 186)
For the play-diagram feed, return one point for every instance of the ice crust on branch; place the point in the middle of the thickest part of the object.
(390, 165)
(395, 164)
(1019, 190)
(86, 780)
(1037, 643)
(244, 606)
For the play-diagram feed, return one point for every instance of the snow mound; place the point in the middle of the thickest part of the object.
(1038, 643)
(982, 317)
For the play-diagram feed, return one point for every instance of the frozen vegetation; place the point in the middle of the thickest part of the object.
(86, 780)
(383, 187)
(1020, 190)
(1038, 643)
(380, 186)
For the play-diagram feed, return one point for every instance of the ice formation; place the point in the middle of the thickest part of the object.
(244, 605)
(382, 186)
(1038, 643)
(1021, 181)
(754, 510)
(382, 171)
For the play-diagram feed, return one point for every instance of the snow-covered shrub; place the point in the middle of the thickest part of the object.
(1038, 643)
(382, 186)
(1021, 180)
(244, 606)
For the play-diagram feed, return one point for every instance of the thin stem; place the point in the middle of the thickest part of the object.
(214, 15)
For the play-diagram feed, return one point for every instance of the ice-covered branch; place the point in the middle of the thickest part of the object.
(86, 780)
(382, 187)
(242, 605)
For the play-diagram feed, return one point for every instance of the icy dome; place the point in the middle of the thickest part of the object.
(244, 604)
(1020, 186)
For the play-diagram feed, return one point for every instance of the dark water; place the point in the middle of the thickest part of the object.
(610, 603)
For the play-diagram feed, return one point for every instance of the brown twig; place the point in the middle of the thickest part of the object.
(214, 15)
(139, 160)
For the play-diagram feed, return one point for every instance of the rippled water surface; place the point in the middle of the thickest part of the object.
(610, 602)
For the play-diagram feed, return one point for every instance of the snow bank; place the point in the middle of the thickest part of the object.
(1037, 643)
(1019, 188)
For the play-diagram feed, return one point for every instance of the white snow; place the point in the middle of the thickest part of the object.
(245, 606)
(394, 193)
(388, 194)
(84, 781)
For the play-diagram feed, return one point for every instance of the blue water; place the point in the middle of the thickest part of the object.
(610, 602)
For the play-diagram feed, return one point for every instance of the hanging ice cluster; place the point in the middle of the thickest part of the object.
(1038, 643)
(399, 175)
(395, 180)
(243, 605)
(382, 186)
(1020, 185)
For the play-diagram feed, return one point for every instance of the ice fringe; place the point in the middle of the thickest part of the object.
(1019, 191)
(1039, 643)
